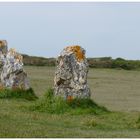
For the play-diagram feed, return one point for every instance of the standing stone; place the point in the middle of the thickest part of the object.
(71, 74)
(3, 51)
(13, 74)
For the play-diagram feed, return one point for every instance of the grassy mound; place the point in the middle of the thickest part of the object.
(56, 105)
(18, 93)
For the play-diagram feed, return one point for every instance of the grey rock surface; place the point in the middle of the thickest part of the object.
(13, 74)
(71, 74)
(3, 51)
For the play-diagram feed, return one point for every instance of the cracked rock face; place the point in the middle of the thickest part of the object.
(71, 74)
(13, 74)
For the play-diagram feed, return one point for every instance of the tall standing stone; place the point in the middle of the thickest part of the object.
(71, 74)
(13, 74)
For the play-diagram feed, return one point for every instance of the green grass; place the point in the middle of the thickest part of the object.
(57, 105)
(117, 90)
(18, 93)
(17, 121)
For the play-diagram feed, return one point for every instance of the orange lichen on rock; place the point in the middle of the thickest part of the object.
(19, 57)
(80, 55)
(1, 87)
(3, 46)
(69, 98)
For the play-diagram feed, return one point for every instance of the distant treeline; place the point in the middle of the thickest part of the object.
(108, 62)
(102, 62)
(38, 61)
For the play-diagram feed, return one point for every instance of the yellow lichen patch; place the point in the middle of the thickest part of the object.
(12, 51)
(80, 55)
(3, 46)
(19, 57)
(16, 55)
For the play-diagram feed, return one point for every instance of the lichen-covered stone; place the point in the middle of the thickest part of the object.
(71, 74)
(3, 51)
(13, 74)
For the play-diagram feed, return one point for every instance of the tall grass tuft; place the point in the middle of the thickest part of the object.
(138, 123)
(57, 105)
(18, 93)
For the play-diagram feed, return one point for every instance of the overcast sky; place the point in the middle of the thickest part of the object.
(44, 29)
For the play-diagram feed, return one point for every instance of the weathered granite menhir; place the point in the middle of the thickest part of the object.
(71, 74)
(12, 73)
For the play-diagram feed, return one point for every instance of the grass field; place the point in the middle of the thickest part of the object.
(117, 90)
